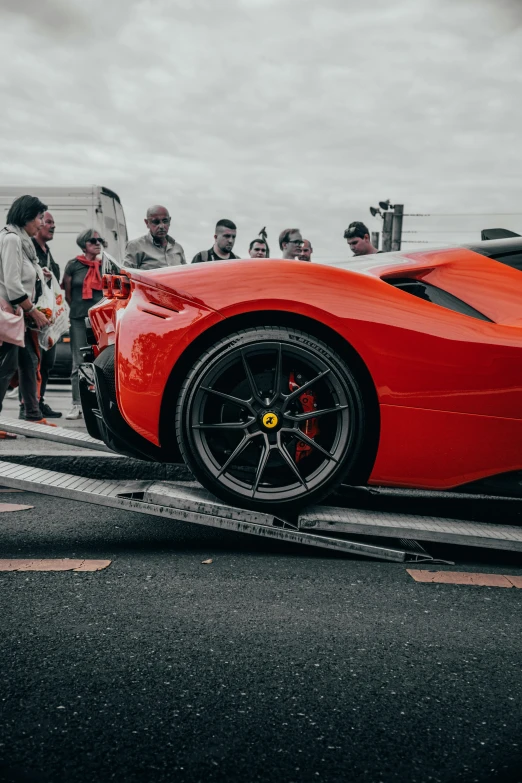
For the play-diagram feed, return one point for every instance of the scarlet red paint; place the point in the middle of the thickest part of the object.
(449, 386)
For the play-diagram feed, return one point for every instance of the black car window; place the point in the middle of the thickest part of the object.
(431, 293)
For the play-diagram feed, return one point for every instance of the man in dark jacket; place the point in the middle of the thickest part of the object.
(224, 240)
(45, 234)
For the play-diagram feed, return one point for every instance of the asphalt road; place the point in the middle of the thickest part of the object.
(272, 663)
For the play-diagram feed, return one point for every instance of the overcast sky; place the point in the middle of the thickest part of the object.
(269, 112)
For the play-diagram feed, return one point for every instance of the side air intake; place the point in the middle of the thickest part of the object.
(431, 293)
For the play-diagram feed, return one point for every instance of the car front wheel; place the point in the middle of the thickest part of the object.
(270, 418)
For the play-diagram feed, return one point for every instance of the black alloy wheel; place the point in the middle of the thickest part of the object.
(270, 418)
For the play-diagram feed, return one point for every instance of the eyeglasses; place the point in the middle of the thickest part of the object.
(157, 221)
(298, 242)
(97, 241)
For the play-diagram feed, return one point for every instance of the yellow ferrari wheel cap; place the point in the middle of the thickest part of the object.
(270, 420)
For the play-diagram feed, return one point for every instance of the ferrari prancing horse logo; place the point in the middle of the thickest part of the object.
(270, 420)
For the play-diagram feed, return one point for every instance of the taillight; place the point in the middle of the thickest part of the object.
(116, 287)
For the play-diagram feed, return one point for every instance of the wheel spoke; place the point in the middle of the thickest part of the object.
(288, 459)
(278, 374)
(232, 425)
(237, 451)
(301, 436)
(306, 385)
(251, 379)
(263, 459)
(229, 397)
(314, 414)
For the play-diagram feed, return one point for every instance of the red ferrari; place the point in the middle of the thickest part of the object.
(277, 380)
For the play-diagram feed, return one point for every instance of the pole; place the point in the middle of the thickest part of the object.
(375, 239)
(398, 212)
(387, 232)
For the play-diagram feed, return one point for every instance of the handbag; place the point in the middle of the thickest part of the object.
(12, 325)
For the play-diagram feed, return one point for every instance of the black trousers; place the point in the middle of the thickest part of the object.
(46, 365)
(8, 367)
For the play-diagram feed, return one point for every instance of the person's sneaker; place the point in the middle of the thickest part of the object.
(48, 412)
(75, 412)
(42, 421)
(12, 393)
(21, 412)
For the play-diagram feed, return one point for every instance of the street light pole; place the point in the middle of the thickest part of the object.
(392, 215)
(387, 232)
(398, 212)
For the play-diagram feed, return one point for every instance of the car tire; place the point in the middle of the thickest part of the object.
(271, 418)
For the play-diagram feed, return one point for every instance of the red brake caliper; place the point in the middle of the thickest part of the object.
(311, 427)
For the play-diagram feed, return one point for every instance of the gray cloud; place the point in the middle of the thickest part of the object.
(56, 16)
(271, 113)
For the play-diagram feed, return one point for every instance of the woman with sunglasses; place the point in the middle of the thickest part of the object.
(82, 282)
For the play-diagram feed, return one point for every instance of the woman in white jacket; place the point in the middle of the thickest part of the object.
(18, 278)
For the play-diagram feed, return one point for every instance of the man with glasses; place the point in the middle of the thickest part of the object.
(157, 248)
(290, 242)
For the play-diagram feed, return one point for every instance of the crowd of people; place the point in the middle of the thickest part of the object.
(26, 265)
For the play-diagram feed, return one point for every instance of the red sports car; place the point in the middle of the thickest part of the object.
(277, 380)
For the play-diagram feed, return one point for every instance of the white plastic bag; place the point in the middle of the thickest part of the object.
(52, 303)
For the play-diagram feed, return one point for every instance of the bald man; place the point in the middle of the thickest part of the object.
(306, 251)
(157, 248)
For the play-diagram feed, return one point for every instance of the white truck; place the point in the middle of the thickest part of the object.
(75, 209)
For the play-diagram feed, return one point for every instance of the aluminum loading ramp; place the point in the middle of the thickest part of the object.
(320, 526)
(335, 520)
(187, 501)
(57, 434)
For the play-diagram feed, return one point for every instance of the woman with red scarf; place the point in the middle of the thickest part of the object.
(83, 288)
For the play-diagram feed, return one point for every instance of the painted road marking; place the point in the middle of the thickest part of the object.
(465, 578)
(13, 507)
(64, 564)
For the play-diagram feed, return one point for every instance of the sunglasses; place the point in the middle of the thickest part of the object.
(97, 241)
(157, 221)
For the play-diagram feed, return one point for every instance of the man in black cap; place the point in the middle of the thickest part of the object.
(358, 238)
(44, 235)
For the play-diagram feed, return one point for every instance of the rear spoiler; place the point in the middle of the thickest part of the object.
(497, 233)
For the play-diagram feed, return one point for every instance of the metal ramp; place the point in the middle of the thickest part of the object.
(187, 501)
(57, 434)
(335, 520)
(321, 526)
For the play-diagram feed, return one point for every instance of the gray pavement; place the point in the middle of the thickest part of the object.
(272, 663)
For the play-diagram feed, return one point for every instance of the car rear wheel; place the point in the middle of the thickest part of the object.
(270, 418)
